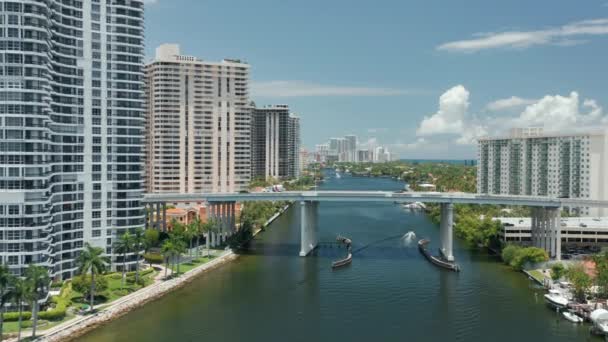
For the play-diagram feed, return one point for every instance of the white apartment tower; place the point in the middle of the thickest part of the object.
(72, 127)
(198, 124)
(529, 162)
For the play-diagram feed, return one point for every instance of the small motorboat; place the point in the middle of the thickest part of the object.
(556, 299)
(572, 317)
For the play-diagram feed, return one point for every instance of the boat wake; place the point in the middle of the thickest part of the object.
(408, 238)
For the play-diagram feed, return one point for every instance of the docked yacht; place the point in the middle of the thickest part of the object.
(555, 298)
(599, 318)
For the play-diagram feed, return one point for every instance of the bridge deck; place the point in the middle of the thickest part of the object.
(377, 196)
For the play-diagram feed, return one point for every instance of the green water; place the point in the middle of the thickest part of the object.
(389, 293)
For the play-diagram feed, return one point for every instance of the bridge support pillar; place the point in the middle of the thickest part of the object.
(308, 226)
(546, 231)
(446, 231)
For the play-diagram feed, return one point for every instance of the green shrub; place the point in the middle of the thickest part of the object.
(121, 292)
(153, 258)
(115, 276)
(14, 316)
(146, 272)
(82, 284)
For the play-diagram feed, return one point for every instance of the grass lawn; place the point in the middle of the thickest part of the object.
(115, 288)
(187, 266)
(537, 274)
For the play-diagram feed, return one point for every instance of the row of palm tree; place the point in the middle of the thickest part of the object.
(18, 290)
(183, 236)
(130, 243)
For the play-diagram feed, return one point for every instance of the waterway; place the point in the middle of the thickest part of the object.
(389, 293)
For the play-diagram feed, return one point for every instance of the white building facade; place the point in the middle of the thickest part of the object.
(198, 127)
(529, 162)
(72, 126)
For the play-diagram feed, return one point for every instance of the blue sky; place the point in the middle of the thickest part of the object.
(424, 78)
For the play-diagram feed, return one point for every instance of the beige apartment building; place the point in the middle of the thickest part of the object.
(198, 124)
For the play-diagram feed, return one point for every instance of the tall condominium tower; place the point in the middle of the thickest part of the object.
(294, 147)
(198, 127)
(275, 146)
(529, 162)
(351, 148)
(72, 121)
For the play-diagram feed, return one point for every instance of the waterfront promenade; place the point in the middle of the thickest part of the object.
(107, 312)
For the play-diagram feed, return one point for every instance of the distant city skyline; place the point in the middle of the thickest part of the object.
(417, 78)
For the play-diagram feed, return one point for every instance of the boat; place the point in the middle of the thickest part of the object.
(556, 299)
(599, 318)
(435, 260)
(343, 262)
(572, 317)
(338, 175)
(349, 258)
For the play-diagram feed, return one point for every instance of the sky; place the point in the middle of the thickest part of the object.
(424, 78)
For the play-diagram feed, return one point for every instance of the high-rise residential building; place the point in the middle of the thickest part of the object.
(198, 127)
(364, 156)
(321, 152)
(275, 143)
(293, 160)
(529, 162)
(351, 148)
(72, 120)
(304, 159)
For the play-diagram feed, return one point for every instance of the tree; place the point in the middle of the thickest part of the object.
(123, 246)
(38, 281)
(82, 284)
(207, 228)
(19, 293)
(601, 276)
(139, 242)
(6, 279)
(168, 251)
(509, 252)
(190, 234)
(91, 260)
(152, 237)
(581, 281)
(557, 271)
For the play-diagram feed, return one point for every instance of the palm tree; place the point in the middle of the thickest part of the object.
(207, 228)
(179, 248)
(6, 278)
(19, 293)
(38, 279)
(167, 250)
(191, 234)
(124, 246)
(139, 242)
(91, 260)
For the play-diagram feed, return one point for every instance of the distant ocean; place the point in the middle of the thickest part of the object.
(445, 161)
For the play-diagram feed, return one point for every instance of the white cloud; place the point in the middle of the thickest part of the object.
(453, 105)
(555, 113)
(558, 113)
(301, 89)
(564, 35)
(508, 103)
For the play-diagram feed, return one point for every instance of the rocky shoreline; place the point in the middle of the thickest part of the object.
(75, 328)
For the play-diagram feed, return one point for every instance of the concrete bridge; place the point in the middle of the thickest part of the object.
(545, 214)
